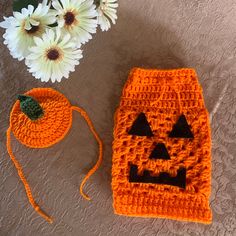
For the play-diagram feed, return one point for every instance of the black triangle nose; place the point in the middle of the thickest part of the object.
(160, 152)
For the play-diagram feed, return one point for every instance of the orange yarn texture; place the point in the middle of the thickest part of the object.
(176, 185)
(49, 129)
(46, 131)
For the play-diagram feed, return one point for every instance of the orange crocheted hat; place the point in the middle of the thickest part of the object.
(161, 163)
(40, 118)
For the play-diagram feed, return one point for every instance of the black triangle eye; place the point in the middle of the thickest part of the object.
(141, 127)
(181, 129)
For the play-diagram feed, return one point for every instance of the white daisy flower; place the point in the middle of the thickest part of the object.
(107, 13)
(53, 56)
(77, 17)
(24, 25)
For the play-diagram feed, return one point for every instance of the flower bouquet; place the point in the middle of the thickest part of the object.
(49, 34)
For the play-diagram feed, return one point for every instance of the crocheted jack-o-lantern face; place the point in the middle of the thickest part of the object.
(159, 153)
(161, 159)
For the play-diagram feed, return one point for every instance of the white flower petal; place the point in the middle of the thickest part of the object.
(44, 3)
(107, 12)
(85, 15)
(18, 15)
(24, 11)
(38, 41)
(34, 22)
(49, 20)
(5, 24)
(61, 22)
(19, 41)
(27, 25)
(56, 5)
(44, 65)
(30, 9)
(38, 10)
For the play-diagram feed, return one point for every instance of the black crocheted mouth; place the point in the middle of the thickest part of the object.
(163, 178)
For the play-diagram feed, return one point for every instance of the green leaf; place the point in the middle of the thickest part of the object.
(54, 25)
(19, 4)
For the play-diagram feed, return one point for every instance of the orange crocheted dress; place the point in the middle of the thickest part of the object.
(161, 164)
(40, 118)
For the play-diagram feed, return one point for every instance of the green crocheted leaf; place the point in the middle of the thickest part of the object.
(30, 107)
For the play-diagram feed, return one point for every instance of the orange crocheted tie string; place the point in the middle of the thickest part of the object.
(51, 101)
(93, 170)
(24, 181)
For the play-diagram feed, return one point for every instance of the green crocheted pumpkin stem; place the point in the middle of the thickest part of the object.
(30, 107)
